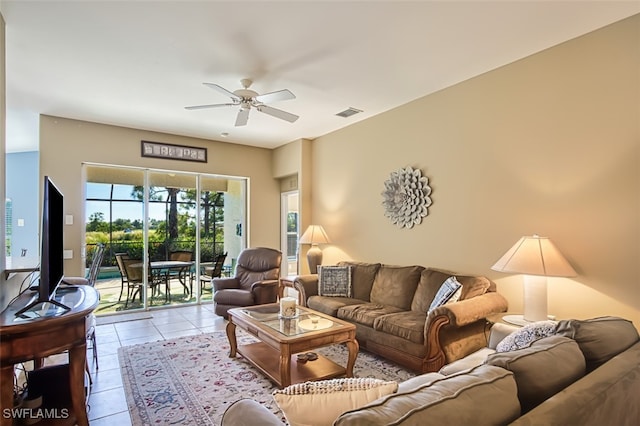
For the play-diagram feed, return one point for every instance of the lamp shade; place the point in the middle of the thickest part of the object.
(535, 255)
(314, 235)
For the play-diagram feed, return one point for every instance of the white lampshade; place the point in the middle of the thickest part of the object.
(536, 257)
(314, 235)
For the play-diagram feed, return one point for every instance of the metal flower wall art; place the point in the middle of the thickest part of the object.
(406, 197)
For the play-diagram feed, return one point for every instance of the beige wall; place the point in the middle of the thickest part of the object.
(295, 158)
(65, 144)
(547, 145)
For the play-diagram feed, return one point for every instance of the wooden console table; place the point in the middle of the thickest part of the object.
(26, 339)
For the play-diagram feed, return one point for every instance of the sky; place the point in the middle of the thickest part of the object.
(121, 210)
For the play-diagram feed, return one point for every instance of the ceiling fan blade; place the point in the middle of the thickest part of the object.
(208, 106)
(224, 91)
(280, 95)
(243, 117)
(278, 113)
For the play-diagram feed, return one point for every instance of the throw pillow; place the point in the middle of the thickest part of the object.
(321, 403)
(447, 290)
(334, 281)
(525, 336)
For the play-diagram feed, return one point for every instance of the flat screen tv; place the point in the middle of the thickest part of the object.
(52, 249)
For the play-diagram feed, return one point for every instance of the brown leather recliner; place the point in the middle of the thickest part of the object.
(255, 282)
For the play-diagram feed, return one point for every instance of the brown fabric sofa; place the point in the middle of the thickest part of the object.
(593, 379)
(389, 307)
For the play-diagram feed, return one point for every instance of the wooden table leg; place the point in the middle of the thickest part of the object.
(6, 394)
(285, 366)
(77, 366)
(231, 335)
(353, 347)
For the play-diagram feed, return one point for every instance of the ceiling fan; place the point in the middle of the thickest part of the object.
(247, 98)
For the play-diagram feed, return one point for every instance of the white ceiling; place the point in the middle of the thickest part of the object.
(139, 63)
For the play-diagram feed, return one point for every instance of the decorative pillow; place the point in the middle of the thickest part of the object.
(543, 369)
(334, 281)
(322, 402)
(447, 291)
(525, 336)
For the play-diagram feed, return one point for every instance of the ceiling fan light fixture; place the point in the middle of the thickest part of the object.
(349, 112)
(248, 99)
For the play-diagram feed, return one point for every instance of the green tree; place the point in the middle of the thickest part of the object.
(97, 223)
(212, 210)
(156, 194)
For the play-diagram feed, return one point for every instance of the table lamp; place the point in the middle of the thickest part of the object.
(537, 258)
(314, 235)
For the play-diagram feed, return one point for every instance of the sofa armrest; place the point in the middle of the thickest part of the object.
(468, 318)
(471, 310)
(247, 412)
(498, 332)
(224, 283)
(307, 286)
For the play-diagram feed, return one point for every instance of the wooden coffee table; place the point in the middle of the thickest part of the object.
(281, 339)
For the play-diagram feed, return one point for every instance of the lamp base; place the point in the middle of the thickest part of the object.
(314, 257)
(520, 321)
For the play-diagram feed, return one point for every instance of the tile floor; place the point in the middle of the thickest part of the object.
(107, 404)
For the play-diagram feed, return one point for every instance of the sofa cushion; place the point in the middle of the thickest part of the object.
(320, 403)
(543, 369)
(430, 281)
(473, 286)
(523, 337)
(330, 305)
(418, 381)
(334, 281)
(396, 285)
(606, 396)
(449, 291)
(468, 362)
(484, 396)
(408, 325)
(365, 313)
(362, 276)
(599, 339)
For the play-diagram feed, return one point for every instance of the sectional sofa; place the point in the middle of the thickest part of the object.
(587, 373)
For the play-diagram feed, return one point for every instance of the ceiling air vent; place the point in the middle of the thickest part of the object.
(348, 112)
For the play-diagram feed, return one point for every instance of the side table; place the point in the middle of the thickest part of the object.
(511, 318)
(29, 339)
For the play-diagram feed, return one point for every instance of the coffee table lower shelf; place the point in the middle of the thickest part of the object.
(267, 360)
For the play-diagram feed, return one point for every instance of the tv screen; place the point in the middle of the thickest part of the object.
(52, 249)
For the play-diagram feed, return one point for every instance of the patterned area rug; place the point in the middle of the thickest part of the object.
(191, 380)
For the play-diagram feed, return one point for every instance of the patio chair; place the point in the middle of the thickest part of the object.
(213, 271)
(131, 272)
(255, 282)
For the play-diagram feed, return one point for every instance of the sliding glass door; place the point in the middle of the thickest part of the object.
(174, 224)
